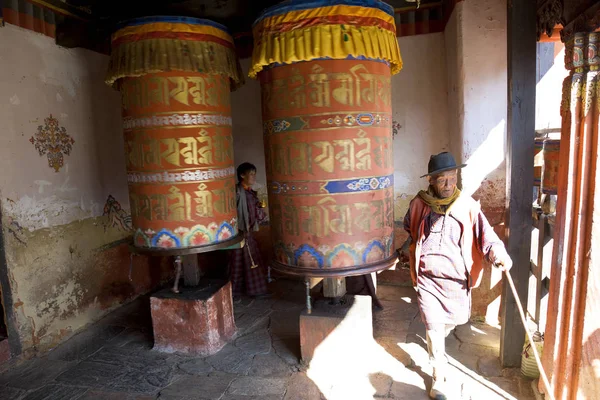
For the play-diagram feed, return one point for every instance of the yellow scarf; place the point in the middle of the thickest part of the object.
(439, 206)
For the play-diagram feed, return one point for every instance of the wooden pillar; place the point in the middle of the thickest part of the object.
(519, 174)
(191, 270)
(334, 287)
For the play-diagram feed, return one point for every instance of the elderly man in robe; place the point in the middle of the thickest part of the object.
(449, 240)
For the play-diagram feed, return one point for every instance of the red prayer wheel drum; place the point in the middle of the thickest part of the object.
(550, 168)
(175, 76)
(538, 161)
(327, 121)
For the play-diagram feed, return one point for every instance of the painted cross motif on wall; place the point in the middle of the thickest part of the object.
(53, 141)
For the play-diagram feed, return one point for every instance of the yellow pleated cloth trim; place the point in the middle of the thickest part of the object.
(321, 41)
(341, 10)
(171, 27)
(181, 51)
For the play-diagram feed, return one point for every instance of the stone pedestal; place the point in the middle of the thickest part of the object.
(331, 328)
(198, 321)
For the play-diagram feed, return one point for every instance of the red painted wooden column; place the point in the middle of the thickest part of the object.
(572, 341)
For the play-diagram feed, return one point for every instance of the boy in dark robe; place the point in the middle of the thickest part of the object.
(246, 269)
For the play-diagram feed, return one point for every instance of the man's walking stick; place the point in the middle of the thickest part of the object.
(533, 347)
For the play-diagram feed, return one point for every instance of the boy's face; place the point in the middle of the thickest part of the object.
(249, 178)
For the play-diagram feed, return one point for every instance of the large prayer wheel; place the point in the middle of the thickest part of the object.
(551, 151)
(175, 76)
(325, 74)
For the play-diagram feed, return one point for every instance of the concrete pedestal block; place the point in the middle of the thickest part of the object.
(332, 328)
(198, 321)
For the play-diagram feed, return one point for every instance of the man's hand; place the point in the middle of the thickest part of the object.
(503, 263)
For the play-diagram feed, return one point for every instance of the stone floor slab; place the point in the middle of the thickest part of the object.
(397, 311)
(392, 346)
(143, 360)
(248, 321)
(285, 324)
(287, 305)
(9, 393)
(102, 395)
(489, 366)
(133, 315)
(301, 387)
(117, 377)
(85, 343)
(236, 397)
(403, 294)
(231, 360)
(258, 386)
(390, 329)
(479, 334)
(133, 338)
(258, 342)
(123, 368)
(382, 383)
(269, 365)
(288, 349)
(407, 391)
(56, 392)
(199, 387)
(196, 366)
(35, 373)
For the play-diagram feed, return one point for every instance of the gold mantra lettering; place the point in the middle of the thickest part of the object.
(358, 87)
(183, 206)
(164, 91)
(288, 157)
(143, 150)
(383, 152)
(326, 217)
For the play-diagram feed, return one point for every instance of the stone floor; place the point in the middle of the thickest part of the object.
(113, 360)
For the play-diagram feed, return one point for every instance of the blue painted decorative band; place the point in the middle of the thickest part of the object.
(296, 5)
(165, 18)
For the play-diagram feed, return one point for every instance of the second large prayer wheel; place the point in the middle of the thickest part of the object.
(325, 74)
(551, 149)
(175, 75)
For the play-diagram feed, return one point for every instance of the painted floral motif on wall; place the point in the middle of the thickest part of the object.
(53, 141)
(116, 216)
(395, 128)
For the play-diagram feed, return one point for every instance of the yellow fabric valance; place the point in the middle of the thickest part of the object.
(336, 32)
(159, 47)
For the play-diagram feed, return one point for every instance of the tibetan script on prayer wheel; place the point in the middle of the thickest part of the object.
(325, 73)
(328, 143)
(177, 130)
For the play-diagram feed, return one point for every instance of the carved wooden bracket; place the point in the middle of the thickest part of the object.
(588, 21)
(549, 14)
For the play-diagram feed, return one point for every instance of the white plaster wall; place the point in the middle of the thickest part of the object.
(549, 92)
(247, 128)
(419, 104)
(39, 79)
(483, 72)
(475, 42)
(453, 41)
